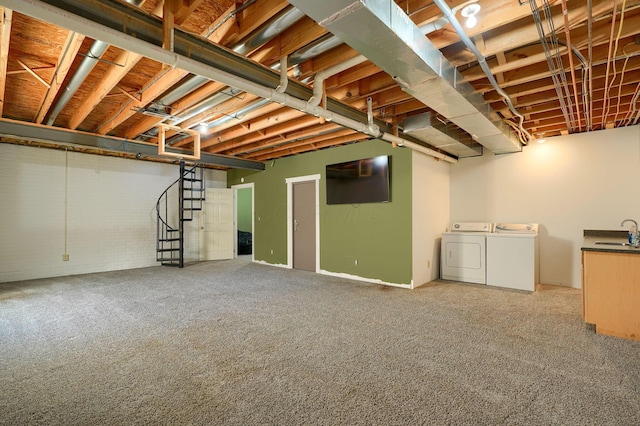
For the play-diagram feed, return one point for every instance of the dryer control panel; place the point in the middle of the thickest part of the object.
(471, 227)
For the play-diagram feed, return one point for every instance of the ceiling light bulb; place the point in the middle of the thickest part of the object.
(470, 11)
(472, 21)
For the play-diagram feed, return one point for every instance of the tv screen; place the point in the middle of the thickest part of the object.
(360, 181)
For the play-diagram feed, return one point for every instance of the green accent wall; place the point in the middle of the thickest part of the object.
(377, 235)
(244, 209)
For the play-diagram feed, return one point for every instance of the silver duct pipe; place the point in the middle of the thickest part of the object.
(96, 50)
(428, 128)
(40, 10)
(219, 121)
(272, 28)
(382, 32)
(176, 94)
(238, 114)
(450, 15)
(209, 103)
(321, 45)
(329, 41)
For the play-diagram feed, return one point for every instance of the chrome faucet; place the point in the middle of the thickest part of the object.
(636, 237)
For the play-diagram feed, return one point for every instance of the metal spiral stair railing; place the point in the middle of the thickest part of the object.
(170, 231)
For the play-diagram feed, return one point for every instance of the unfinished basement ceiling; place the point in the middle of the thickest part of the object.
(56, 77)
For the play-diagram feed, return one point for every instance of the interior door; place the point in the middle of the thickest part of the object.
(216, 225)
(304, 226)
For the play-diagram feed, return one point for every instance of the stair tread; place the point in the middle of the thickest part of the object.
(192, 185)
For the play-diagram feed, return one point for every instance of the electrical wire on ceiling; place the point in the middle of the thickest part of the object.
(550, 45)
(590, 58)
(624, 68)
(609, 57)
(635, 101)
(607, 93)
(631, 117)
(524, 136)
(567, 33)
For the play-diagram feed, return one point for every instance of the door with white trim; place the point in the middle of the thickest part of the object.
(216, 225)
(304, 226)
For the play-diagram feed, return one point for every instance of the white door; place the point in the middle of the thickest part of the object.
(304, 226)
(216, 225)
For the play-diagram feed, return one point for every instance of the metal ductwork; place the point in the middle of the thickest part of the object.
(179, 92)
(96, 50)
(206, 60)
(382, 32)
(272, 28)
(238, 114)
(92, 57)
(429, 128)
(313, 49)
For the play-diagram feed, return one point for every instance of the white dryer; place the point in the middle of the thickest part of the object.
(463, 252)
(512, 256)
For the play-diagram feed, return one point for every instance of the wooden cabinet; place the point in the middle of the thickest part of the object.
(611, 293)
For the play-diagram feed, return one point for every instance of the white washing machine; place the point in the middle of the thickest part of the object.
(463, 252)
(512, 256)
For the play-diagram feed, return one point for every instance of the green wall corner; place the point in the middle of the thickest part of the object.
(371, 240)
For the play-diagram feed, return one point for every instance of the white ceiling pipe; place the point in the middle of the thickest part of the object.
(321, 76)
(46, 12)
(271, 29)
(408, 144)
(284, 79)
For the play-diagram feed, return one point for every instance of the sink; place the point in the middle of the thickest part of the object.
(612, 243)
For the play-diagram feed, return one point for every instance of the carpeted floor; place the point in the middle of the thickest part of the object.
(236, 343)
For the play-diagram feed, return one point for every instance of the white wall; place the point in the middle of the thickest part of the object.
(109, 210)
(568, 184)
(430, 215)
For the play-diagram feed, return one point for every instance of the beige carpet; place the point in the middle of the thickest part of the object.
(235, 343)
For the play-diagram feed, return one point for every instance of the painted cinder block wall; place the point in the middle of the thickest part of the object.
(102, 208)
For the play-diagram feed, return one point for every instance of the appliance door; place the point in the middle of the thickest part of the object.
(463, 258)
(511, 261)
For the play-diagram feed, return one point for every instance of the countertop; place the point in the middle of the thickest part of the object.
(591, 236)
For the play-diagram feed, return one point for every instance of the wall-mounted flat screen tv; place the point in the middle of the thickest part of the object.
(360, 181)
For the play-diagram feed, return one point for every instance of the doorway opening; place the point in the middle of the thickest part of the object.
(244, 213)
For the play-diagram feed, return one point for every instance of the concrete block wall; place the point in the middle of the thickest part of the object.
(99, 210)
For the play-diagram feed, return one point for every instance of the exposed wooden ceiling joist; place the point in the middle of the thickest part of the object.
(115, 97)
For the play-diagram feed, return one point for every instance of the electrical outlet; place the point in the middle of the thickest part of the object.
(271, 251)
(65, 257)
(356, 262)
(428, 264)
